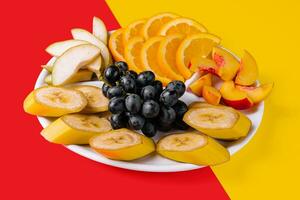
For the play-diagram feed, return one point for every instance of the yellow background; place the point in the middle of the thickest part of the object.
(268, 167)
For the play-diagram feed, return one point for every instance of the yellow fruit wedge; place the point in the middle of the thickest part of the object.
(133, 30)
(166, 56)
(116, 45)
(153, 25)
(196, 45)
(183, 26)
(122, 144)
(52, 101)
(81, 75)
(219, 122)
(97, 102)
(132, 54)
(75, 129)
(192, 147)
(149, 58)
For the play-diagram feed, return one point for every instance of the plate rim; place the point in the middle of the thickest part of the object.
(144, 167)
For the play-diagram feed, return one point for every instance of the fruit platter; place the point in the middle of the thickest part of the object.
(161, 94)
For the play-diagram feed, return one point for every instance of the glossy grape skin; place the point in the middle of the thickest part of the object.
(136, 121)
(133, 103)
(168, 98)
(128, 83)
(116, 105)
(132, 74)
(123, 67)
(105, 88)
(118, 121)
(111, 74)
(145, 78)
(180, 108)
(150, 109)
(167, 115)
(148, 92)
(149, 129)
(115, 91)
(177, 86)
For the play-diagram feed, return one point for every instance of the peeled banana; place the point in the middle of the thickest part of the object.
(52, 101)
(75, 129)
(97, 102)
(220, 122)
(192, 147)
(122, 144)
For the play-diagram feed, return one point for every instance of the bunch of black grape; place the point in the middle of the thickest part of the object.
(140, 102)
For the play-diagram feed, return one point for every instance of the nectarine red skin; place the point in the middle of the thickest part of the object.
(242, 104)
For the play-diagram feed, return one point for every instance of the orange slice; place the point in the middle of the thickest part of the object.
(132, 30)
(132, 53)
(166, 55)
(116, 46)
(149, 58)
(196, 45)
(153, 24)
(183, 26)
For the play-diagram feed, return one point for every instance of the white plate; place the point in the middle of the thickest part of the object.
(154, 162)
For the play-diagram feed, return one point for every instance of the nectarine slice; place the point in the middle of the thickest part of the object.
(197, 86)
(257, 94)
(211, 95)
(248, 72)
(203, 64)
(234, 97)
(227, 64)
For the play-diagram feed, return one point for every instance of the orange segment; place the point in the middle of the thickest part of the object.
(196, 45)
(153, 24)
(132, 53)
(116, 46)
(132, 30)
(183, 26)
(166, 55)
(149, 58)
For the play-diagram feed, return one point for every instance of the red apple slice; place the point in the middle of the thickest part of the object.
(248, 72)
(257, 94)
(227, 64)
(234, 97)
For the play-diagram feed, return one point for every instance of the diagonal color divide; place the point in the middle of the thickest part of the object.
(267, 168)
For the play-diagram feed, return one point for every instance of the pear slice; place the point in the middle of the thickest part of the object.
(95, 66)
(81, 75)
(58, 48)
(81, 34)
(52, 101)
(75, 129)
(122, 144)
(71, 61)
(99, 30)
(97, 102)
(192, 147)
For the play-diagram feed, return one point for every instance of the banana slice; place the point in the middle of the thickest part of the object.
(97, 102)
(122, 144)
(52, 101)
(192, 147)
(81, 75)
(220, 122)
(75, 129)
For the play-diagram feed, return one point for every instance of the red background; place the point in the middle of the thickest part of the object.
(32, 168)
